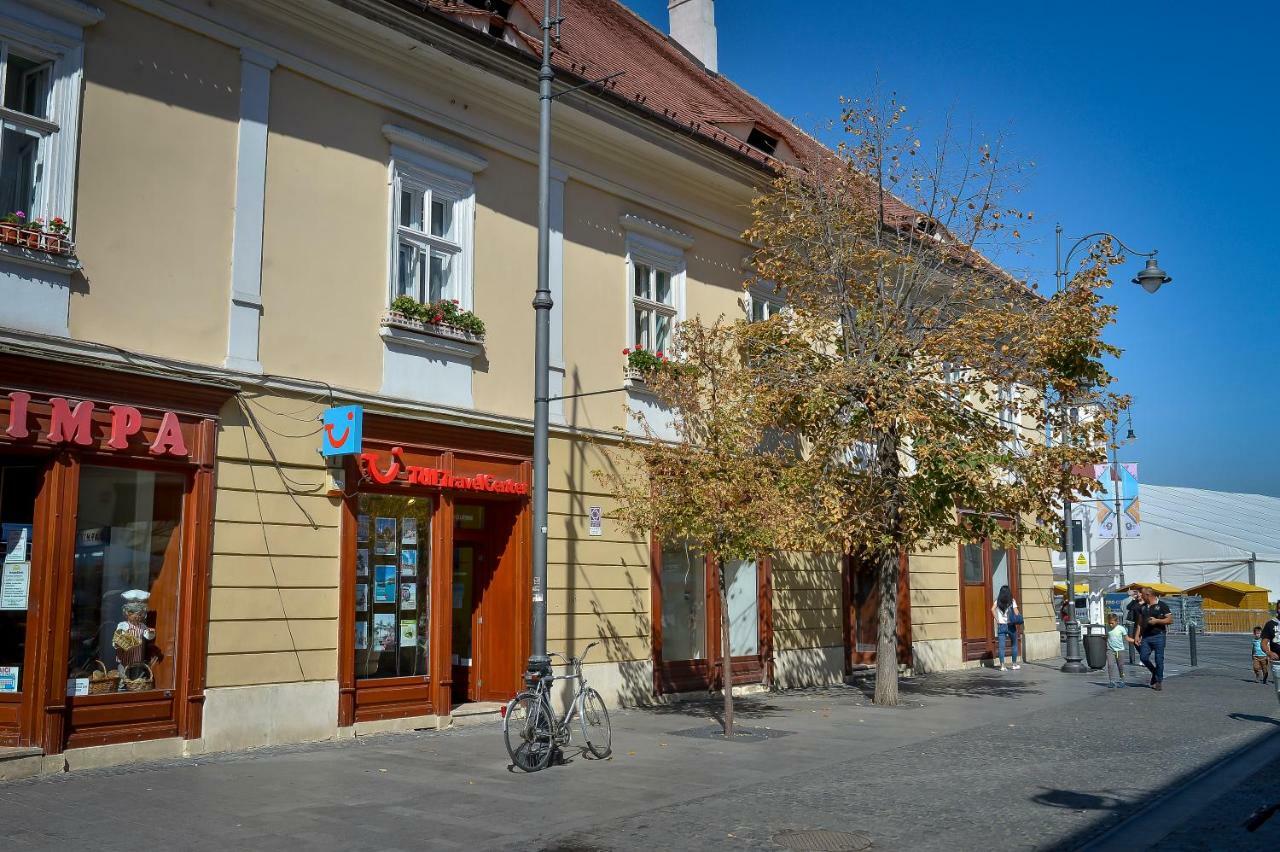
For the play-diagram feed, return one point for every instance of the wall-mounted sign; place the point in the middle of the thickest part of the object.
(390, 469)
(342, 430)
(85, 423)
(596, 517)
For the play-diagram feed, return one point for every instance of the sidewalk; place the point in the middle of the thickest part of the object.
(977, 759)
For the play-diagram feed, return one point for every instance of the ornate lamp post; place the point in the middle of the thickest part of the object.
(1151, 279)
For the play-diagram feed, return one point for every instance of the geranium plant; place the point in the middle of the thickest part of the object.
(443, 312)
(642, 360)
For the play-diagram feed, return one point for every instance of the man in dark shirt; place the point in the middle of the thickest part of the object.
(1270, 642)
(1154, 617)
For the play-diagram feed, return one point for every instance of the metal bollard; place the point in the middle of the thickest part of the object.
(1191, 637)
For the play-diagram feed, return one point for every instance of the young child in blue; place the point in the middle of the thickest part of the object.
(1116, 637)
(1260, 667)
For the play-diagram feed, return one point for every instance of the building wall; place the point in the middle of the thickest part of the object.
(808, 637)
(155, 187)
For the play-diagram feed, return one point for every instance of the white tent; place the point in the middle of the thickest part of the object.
(1191, 536)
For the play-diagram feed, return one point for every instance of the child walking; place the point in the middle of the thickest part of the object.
(1260, 661)
(1116, 637)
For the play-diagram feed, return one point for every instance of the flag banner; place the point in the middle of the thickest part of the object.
(1121, 479)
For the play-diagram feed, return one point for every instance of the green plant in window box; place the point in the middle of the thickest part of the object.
(10, 224)
(443, 313)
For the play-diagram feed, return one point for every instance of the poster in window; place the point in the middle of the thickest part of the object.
(362, 528)
(15, 583)
(409, 596)
(362, 562)
(408, 633)
(385, 530)
(384, 631)
(17, 542)
(384, 584)
(362, 598)
(409, 532)
(362, 635)
(9, 678)
(408, 562)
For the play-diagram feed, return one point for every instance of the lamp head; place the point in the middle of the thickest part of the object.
(1152, 277)
(1130, 436)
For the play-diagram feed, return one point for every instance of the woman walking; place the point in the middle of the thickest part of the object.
(1005, 610)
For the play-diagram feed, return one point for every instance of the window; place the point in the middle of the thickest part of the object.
(27, 131)
(684, 603)
(393, 586)
(757, 138)
(762, 304)
(124, 593)
(429, 239)
(1009, 416)
(653, 306)
(743, 593)
(973, 567)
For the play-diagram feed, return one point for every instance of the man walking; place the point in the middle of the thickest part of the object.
(1154, 617)
(1271, 647)
(1131, 620)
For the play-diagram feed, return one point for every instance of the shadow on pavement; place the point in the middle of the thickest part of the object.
(972, 684)
(1250, 717)
(713, 708)
(1077, 801)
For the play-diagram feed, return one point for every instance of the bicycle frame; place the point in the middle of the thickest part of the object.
(563, 730)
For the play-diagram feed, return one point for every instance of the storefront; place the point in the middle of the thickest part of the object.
(106, 496)
(435, 570)
(688, 619)
(984, 567)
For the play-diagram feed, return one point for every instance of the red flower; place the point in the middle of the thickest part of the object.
(639, 347)
(626, 351)
(455, 301)
(660, 355)
(437, 318)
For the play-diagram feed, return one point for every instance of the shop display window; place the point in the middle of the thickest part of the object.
(124, 594)
(19, 483)
(684, 610)
(393, 583)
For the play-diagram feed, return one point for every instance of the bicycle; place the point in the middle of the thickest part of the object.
(532, 731)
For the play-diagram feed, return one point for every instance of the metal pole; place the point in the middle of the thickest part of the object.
(1073, 655)
(1116, 481)
(539, 662)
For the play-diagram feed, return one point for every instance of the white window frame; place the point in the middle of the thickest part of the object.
(1009, 416)
(410, 169)
(764, 295)
(662, 257)
(41, 36)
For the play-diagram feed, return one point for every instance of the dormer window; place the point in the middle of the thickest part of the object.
(500, 10)
(757, 138)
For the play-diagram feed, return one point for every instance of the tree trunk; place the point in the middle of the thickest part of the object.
(726, 668)
(887, 628)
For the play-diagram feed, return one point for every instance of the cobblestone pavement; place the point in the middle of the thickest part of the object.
(1027, 759)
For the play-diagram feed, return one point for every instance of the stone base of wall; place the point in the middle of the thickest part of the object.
(808, 667)
(625, 684)
(936, 655)
(242, 717)
(1041, 646)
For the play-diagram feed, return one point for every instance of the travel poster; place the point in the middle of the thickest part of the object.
(408, 633)
(362, 635)
(362, 562)
(362, 598)
(384, 631)
(384, 584)
(385, 530)
(409, 596)
(362, 528)
(408, 561)
(409, 532)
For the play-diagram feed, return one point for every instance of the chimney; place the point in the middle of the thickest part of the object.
(693, 25)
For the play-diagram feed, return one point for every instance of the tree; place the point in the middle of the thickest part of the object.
(719, 482)
(920, 375)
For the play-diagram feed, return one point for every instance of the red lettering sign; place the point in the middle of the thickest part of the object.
(434, 477)
(72, 422)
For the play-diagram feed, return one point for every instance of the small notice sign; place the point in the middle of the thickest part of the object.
(78, 686)
(9, 678)
(596, 516)
(15, 582)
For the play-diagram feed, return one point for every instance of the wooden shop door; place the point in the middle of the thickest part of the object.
(487, 628)
(984, 568)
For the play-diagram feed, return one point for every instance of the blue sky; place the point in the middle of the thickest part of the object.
(1157, 122)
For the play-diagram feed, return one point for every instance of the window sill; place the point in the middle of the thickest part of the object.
(633, 381)
(440, 339)
(39, 259)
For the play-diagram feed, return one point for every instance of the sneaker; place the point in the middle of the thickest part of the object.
(1002, 668)
(1158, 686)
(1015, 667)
(1121, 683)
(1111, 686)
(1153, 680)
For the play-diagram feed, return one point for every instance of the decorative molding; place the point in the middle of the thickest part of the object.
(71, 11)
(39, 259)
(648, 228)
(433, 148)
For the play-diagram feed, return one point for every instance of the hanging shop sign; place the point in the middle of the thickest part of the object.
(342, 430)
(387, 469)
(60, 421)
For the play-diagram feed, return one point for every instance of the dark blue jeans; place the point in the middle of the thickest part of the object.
(1153, 646)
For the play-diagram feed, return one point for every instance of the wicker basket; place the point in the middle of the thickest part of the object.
(125, 640)
(102, 681)
(138, 678)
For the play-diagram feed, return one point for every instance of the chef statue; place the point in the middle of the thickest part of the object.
(132, 635)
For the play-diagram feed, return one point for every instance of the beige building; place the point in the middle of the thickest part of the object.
(250, 186)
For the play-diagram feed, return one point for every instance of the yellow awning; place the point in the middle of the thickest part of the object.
(1158, 588)
(1061, 588)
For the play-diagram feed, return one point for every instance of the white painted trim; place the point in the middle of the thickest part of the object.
(663, 234)
(430, 342)
(245, 316)
(641, 248)
(449, 180)
(433, 148)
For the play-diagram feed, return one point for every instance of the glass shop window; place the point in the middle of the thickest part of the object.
(393, 585)
(19, 483)
(684, 597)
(125, 585)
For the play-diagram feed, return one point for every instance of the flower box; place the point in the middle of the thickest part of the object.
(35, 235)
(395, 319)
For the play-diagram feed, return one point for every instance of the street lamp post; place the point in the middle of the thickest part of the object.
(1151, 279)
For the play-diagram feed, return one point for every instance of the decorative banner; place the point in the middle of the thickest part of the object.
(342, 431)
(1123, 479)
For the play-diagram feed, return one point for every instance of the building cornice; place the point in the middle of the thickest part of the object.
(71, 11)
(433, 148)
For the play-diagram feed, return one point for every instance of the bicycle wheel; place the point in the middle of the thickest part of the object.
(527, 728)
(594, 717)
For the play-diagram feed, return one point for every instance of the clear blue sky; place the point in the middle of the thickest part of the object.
(1157, 122)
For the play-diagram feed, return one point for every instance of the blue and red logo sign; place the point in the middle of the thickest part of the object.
(341, 431)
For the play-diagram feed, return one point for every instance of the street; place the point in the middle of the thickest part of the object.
(975, 759)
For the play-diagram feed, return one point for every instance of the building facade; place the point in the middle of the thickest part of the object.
(250, 187)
